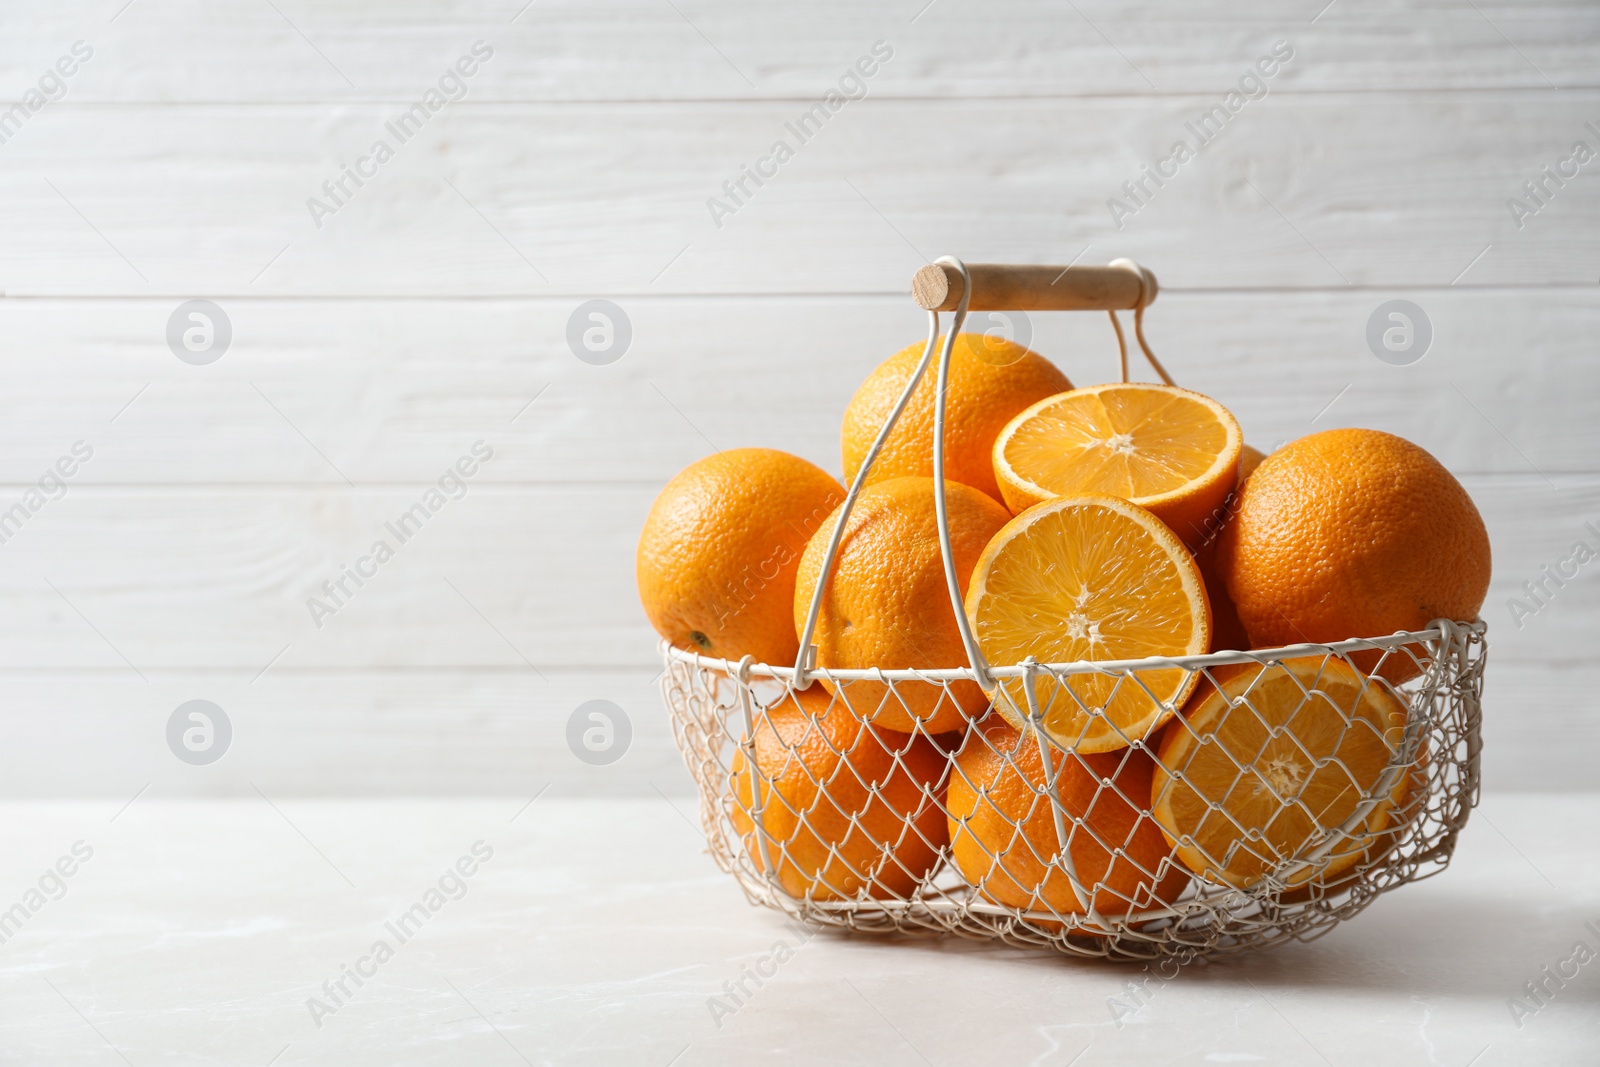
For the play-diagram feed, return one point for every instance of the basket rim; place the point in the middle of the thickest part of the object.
(1438, 630)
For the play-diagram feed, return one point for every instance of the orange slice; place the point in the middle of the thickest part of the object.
(1089, 578)
(1269, 763)
(1161, 447)
(1386, 829)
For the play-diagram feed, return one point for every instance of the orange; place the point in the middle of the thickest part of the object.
(846, 809)
(719, 551)
(1227, 632)
(888, 604)
(1249, 460)
(1268, 762)
(981, 398)
(1089, 578)
(1211, 529)
(1352, 533)
(1166, 449)
(1003, 830)
(1387, 826)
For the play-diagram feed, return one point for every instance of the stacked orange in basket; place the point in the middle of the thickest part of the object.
(1093, 525)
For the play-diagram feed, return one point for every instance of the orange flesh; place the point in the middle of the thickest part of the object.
(1141, 443)
(1242, 789)
(1089, 579)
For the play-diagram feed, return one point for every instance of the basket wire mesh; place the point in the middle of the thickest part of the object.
(1006, 831)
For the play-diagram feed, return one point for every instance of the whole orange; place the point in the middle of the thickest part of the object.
(1003, 829)
(1352, 533)
(845, 809)
(981, 399)
(888, 604)
(719, 551)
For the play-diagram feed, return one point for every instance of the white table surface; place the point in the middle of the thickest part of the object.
(599, 930)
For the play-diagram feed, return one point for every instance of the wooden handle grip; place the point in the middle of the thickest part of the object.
(1021, 287)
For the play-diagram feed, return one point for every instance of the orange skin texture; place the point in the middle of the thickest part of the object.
(1352, 533)
(981, 399)
(719, 551)
(887, 604)
(1227, 632)
(999, 776)
(818, 766)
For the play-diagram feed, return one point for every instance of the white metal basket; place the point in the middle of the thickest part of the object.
(1403, 828)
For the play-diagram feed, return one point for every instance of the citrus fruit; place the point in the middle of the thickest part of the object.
(980, 399)
(1352, 533)
(887, 603)
(1227, 632)
(1386, 826)
(1249, 460)
(1089, 578)
(1268, 762)
(1003, 829)
(1166, 449)
(719, 551)
(845, 809)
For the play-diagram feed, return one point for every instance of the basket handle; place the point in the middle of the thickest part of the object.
(1121, 286)
(806, 661)
(951, 285)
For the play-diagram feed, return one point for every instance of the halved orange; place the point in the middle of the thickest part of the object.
(1268, 763)
(1387, 827)
(1167, 449)
(1089, 578)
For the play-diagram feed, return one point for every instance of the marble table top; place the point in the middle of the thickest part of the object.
(570, 931)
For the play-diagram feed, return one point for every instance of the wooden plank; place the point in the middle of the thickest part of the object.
(337, 733)
(633, 49)
(1307, 191)
(579, 163)
(503, 733)
(509, 577)
(392, 391)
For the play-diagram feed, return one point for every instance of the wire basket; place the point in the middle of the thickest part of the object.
(1003, 832)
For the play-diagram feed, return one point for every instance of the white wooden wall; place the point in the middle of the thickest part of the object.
(370, 353)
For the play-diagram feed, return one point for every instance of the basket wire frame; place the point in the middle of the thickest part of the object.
(814, 842)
